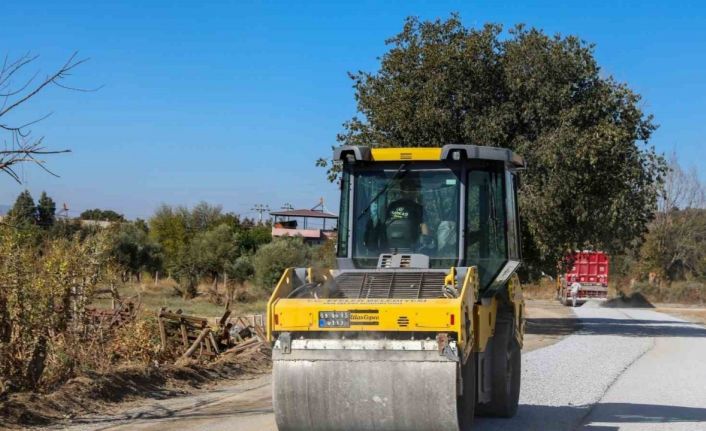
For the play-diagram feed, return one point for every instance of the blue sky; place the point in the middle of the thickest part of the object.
(232, 102)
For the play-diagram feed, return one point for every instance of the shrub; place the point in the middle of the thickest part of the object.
(273, 258)
(323, 255)
(137, 342)
(43, 296)
(241, 270)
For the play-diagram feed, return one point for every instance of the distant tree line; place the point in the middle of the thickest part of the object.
(101, 215)
(189, 245)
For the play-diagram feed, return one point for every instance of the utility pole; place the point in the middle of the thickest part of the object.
(261, 209)
(287, 207)
(64, 211)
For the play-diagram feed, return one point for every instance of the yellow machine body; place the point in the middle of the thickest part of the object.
(438, 315)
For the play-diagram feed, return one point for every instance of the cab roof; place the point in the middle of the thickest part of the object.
(447, 152)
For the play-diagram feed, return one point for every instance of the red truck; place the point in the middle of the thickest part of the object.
(587, 279)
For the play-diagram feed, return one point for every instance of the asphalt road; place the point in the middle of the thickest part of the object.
(625, 369)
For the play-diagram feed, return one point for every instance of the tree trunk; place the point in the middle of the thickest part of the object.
(214, 287)
(114, 295)
(225, 285)
(5, 329)
(35, 368)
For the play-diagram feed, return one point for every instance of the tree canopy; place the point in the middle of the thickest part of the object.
(101, 215)
(134, 250)
(273, 258)
(23, 212)
(591, 180)
(46, 211)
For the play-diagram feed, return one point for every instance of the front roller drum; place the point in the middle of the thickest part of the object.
(363, 390)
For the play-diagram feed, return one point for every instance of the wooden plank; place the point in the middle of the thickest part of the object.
(245, 345)
(213, 342)
(202, 335)
(162, 334)
(184, 335)
(178, 316)
(224, 319)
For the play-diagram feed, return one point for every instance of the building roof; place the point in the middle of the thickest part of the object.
(304, 213)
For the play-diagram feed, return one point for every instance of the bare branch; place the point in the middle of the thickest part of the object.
(19, 90)
(7, 73)
(22, 149)
(84, 90)
(24, 126)
(61, 73)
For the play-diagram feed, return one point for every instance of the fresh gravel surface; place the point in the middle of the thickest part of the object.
(625, 369)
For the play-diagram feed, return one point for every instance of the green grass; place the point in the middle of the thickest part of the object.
(152, 298)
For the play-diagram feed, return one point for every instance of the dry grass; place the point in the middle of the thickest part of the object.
(153, 296)
(544, 289)
(691, 292)
(695, 315)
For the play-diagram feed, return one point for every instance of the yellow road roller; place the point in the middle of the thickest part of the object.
(420, 325)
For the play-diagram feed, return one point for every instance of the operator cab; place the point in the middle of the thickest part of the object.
(451, 206)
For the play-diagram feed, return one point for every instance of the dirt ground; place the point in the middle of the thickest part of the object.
(547, 322)
(689, 313)
(94, 394)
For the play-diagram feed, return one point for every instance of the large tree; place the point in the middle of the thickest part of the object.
(213, 250)
(591, 179)
(134, 250)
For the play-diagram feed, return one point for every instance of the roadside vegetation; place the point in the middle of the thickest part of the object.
(55, 271)
(668, 264)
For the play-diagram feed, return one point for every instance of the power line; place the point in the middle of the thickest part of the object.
(261, 209)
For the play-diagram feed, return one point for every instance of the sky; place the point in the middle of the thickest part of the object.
(232, 102)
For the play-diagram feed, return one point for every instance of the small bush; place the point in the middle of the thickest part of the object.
(273, 258)
(324, 255)
(241, 270)
(137, 342)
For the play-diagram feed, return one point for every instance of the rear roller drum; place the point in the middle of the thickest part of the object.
(506, 370)
(466, 403)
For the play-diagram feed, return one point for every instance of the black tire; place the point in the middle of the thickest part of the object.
(506, 360)
(466, 404)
